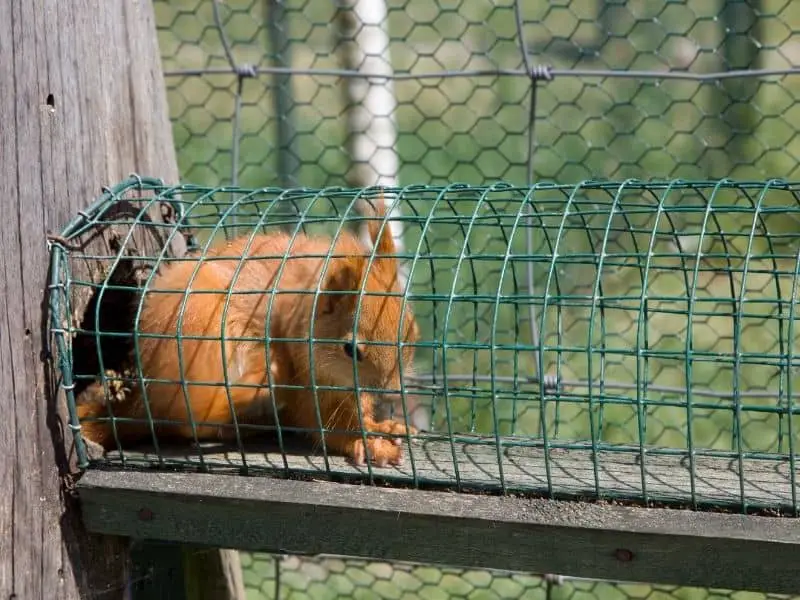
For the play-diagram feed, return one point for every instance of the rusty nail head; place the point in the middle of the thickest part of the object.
(623, 555)
(145, 514)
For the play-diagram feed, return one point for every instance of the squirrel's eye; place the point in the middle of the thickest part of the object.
(351, 349)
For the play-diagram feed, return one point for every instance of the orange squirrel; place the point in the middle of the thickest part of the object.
(382, 318)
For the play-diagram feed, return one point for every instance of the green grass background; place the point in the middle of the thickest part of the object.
(470, 129)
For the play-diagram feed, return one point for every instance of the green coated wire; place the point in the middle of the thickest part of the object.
(551, 280)
(267, 328)
(597, 424)
(781, 342)
(311, 339)
(57, 330)
(400, 344)
(404, 305)
(529, 200)
(737, 337)
(688, 344)
(642, 346)
(223, 324)
(128, 236)
(440, 197)
(295, 232)
(493, 337)
(446, 327)
(523, 209)
(788, 367)
(478, 311)
(179, 335)
(596, 293)
(507, 240)
(356, 321)
(78, 225)
(643, 341)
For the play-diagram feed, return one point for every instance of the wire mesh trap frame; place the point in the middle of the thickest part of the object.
(616, 340)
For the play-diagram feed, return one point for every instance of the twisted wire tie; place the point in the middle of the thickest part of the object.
(541, 72)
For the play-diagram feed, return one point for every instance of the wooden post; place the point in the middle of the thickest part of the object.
(83, 105)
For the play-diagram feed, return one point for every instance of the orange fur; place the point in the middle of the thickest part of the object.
(291, 316)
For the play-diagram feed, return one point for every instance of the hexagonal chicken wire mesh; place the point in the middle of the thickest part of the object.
(258, 95)
(636, 89)
(268, 577)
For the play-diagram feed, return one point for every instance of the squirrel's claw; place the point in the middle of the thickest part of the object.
(381, 451)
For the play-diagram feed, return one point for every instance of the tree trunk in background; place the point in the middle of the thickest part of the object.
(83, 105)
(741, 26)
(371, 131)
(283, 103)
(370, 104)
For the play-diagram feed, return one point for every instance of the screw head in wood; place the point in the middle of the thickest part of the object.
(623, 555)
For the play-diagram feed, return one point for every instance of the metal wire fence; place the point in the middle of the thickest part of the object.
(261, 93)
(487, 90)
(323, 578)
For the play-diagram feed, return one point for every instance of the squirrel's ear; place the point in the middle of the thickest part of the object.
(343, 275)
(382, 241)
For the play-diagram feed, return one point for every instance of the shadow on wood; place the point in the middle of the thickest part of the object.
(471, 463)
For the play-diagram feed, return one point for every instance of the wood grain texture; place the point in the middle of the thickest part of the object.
(602, 541)
(83, 105)
(468, 464)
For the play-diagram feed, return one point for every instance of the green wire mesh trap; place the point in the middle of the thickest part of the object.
(620, 340)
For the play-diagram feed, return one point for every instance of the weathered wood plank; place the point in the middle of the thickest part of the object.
(768, 484)
(81, 110)
(8, 170)
(604, 541)
(28, 270)
(55, 567)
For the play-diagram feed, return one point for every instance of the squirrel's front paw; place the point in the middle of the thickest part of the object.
(382, 451)
(118, 389)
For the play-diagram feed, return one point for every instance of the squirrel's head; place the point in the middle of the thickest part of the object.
(364, 310)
